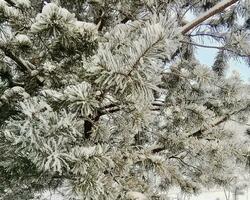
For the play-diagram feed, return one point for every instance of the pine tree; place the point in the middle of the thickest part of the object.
(106, 100)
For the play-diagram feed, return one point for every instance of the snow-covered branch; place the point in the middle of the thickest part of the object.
(88, 103)
(200, 132)
(211, 12)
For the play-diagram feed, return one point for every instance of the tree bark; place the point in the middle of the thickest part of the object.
(211, 12)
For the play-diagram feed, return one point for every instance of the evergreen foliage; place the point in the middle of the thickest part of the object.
(104, 99)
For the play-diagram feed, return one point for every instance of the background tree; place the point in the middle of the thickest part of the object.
(106, 99)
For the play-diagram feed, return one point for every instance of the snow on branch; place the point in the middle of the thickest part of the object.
(216, 9)
(199, 132)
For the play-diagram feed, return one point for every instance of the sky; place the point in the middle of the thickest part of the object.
(206, 56)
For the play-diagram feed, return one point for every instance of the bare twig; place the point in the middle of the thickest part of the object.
(215, 47)
(208, 35)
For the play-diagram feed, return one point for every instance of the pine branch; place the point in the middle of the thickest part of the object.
(211, 12)
(137, 62)
(198, 133)
(10, 2)
(20, 63)
(23, 65)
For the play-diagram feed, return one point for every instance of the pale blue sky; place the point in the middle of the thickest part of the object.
(206, 56)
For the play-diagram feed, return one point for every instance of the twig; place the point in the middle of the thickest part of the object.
(207, 34)
(215, 47)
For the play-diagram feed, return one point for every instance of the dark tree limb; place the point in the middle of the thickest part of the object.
(20, 63)
(89, 124)
(11, 3)
(23, 65)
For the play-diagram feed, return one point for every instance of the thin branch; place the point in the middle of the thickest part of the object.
(215, 47)
(211, 12)
(189, 7)
(207, 34)
(184, 163)
(201, 131)
(112, 108)
(137, 61)
(204, 46)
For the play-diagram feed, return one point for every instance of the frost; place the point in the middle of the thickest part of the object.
(33, 106)
(2, 4)
(23, 40)
(136, 196)
(7, 10)
(49, 67)
(81, 99)
(84, 26)
(106, 99)
(53, 18)
(85, 151)
(15, 91)
(22, 3)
